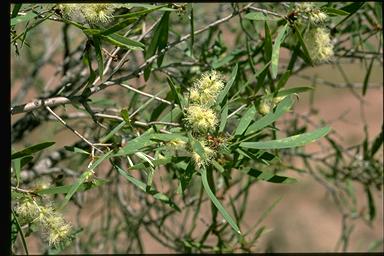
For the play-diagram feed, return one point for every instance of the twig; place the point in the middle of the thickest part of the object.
(73, 130)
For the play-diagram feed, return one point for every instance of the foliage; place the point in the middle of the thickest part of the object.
(170, 118)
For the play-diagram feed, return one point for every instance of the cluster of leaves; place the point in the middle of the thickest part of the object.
(140, 139)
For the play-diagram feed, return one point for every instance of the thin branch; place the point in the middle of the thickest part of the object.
(73, 130)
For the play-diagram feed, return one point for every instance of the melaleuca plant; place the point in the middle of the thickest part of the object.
(170, 120)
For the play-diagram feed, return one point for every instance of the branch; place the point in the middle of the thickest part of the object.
(33, 105)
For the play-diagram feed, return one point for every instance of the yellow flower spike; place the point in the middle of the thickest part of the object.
(319, 44)
(93, 13)
(201, 119)
(206, 89)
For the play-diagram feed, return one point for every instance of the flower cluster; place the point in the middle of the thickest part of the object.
(200, 115)
(206, 89)
(92, 13)
(201, 119)
(314, 15)
(317, 38)
(319, 44)
(49, 220)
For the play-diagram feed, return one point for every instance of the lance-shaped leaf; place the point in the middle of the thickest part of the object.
(289, 142)
(216, 202)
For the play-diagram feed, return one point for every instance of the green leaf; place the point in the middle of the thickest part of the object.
(377, 142)
(163, 37)
(283, 79)
(32, 149)
(142, 186)
(154, 44)
(216, 202)
(99, 55)
(66, 188)
(185, 177)
(76, 150)
(124, 42)
(150, 8)
(224, 92)
(307, 56)
(245, 120)
(24, 18)
(16, 9)
(276, 50)
(119, 26)
(136, 144)
(156, 163)
(83, 178)
(270, 176)
(198, 148)
(125, 115)
(223, 117)
(168, 137)
(267, 43)
(192, 25)
(293, 90)
(352, 8)
(371, 204)
(178, 98)
(289, 142)
(113, 132)
(260, 16)
(18, 164)
(16, 221)
(261, 76)
(367, 75)
(283, 107)
(334, 12)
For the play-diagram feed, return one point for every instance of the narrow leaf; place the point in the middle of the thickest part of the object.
(66, 188)
(245, 120)
(163, 37)
(307, 56)
(225, 91)
(371, 204)
(99, 55)
(178, 98)
(83, 178)
(142, 186)
(270, 177)
(32, 149)
(267, 43)
(15, 10)
(124, 42)
(293, 90)
(119, 26)
(283, 107)
(223, 117)
(334, 12)
(216, 202)
(367, 75)
(276, 50)
(289, 142)
(377, 142)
